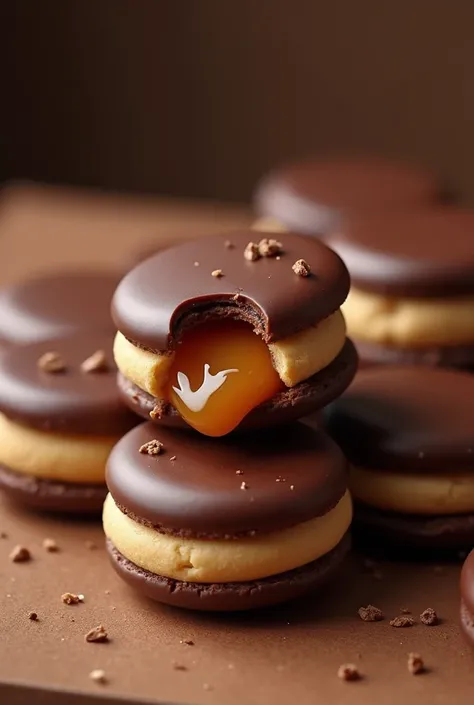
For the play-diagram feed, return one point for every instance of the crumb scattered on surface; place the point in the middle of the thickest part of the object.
(239, 472)
(217, 273)
(91, 545)
(415, 664)
(70, 598)
(20, 554)
(429, 617)
(156, 413)
(292, 487)
(179, 666)
(402, 621)
(229, 245)
(98, 676)
(97, 362)
(97, 635)
(173, 457)
(251, 252)
(244, 486)
(188, 642)
(301, 268)
(153, 447)
(269, 247)
(51, 362)
(370, 613)
(196, 264)
(50, 545)
(348, 672)
(3, 535)
(33, 616)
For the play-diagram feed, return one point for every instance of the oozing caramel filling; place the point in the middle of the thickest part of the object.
(221, 371)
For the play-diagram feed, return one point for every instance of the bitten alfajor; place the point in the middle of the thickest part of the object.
(313, 196)
(224, 331)
(60, 414)
(409, 436)
(226, 524)
(467, 597)
(412, 294)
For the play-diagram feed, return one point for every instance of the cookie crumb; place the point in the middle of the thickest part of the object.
(50, 545)
(402, 621)
(3, 535)
(239, 472)
(51, 362)
(98, 676)
(97, 362)
(91, 545)
(292, 487)
(415, 664)
(244, 486)
(179, 666)
(196, 264)
(20, 554)
(229, 245)
(70, 598)
(217, 273)
(153, 447)
(97, 635)
(301, 268)
(156, 413)
(348, 672)
(251, 252)
(173, 457)
(268, 247)
(429, 617)
(33, 616)
(370, 613)
(188, 642)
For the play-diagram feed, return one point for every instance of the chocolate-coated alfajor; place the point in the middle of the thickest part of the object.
(226, 331)
(226, 524)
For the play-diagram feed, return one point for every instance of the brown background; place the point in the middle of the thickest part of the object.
(199, 97)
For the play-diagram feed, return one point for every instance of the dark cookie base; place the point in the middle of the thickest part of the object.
(302, 400)
(467, 623)
(374, 528)
(225, 597)
(51, 496)
(456, 356)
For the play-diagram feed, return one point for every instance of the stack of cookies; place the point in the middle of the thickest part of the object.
(223, 499)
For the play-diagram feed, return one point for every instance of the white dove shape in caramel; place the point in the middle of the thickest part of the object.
(196, 401)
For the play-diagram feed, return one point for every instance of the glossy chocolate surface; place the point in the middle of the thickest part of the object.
(155, 298)
(72, 401)
(456, 356)
(411, 419)
(467, 585)
(424, 253)
(56, 304)
(290, 476)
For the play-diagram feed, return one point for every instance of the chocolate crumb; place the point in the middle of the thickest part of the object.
(429, 617)
(239, 472)
(97, 635)
(33, 616)
(51, 362)
(188, 642)
(402, 621)
(301, 268)
(156, 413)
(251, 252)
(153, 447)
(348, 672)
(370, 614)
(229, 245)
(97, 362)
(268, 247)
(217, 273)
(91, 545)
(173, 457)
(98, 676)
(70, 598)
(415, 664)
(179, 667)
(50, 545)
(244, 486)
(20, 554)
(3, 535)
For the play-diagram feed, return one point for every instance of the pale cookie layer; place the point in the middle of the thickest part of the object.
(409, 323)
(220, 561)
(267, 224)
(414, 494)
(294, 358)
(53, 456)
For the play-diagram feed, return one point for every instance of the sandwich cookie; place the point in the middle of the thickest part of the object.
(408, 434)
(225, 332)
(467, 597)
(226, 524)
(60, 414)
(412, 295)
(313, 196)
(56, 304)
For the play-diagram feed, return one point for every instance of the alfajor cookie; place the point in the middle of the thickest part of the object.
(226, 524)
(408, 434)
(60, 414)
(226, 332)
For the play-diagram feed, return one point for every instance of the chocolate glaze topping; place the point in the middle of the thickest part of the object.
(199, 493)
(467, 584)
(168, 291)
(71, 401)
(409, 419)
(56, 304)
(424, 253)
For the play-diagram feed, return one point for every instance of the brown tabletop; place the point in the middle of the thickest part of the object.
(286, 655)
